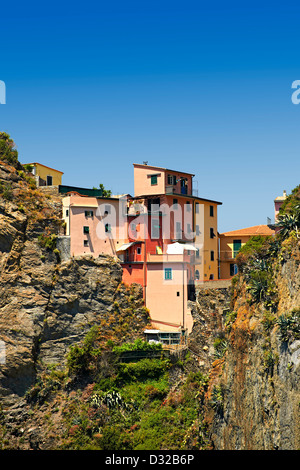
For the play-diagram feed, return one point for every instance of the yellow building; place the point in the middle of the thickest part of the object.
(231, 242)
(46, 176)
(206, 239)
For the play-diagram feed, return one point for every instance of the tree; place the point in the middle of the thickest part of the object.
(105, 192)
(8, 152)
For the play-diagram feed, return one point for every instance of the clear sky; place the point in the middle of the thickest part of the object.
(202, 87)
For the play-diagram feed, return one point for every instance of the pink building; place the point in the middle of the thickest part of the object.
(95, 225)
(278, 201)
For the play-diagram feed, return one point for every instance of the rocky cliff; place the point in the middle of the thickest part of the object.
(253, 398)
(235, 387)
(47, 305)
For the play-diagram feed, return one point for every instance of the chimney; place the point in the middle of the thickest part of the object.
(284, 193)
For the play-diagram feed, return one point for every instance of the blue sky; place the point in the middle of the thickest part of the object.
(94, 87)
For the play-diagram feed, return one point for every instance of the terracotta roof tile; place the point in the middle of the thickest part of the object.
(255, 230)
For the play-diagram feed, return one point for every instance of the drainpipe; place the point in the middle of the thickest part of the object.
(183, 317)
(145, 271)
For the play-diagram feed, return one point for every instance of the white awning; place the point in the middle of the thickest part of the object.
(179, 248)
(125, 246)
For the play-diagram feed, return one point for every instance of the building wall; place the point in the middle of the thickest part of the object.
(167, 299)
(227, 254)
(98, 240)
(206, 267)
(142, 180)
(43, 171)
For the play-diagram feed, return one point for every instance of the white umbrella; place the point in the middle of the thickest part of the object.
(178, 248)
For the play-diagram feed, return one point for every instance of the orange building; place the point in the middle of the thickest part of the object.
(231, 242)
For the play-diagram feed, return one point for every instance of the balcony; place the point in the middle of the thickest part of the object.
(228, 255)
(170, 189)
(157, 258)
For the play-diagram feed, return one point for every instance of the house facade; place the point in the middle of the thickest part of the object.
(46, 176)
(230, 244)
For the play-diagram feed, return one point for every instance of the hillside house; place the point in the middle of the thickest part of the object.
(230, 244)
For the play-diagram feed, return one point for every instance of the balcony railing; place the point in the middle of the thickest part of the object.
(226, 255)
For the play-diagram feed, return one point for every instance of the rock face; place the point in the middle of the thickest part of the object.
(47, 305)
(258, 377)
(208, 315)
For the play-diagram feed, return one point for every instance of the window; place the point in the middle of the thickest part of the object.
(86, 229)
(155, 228)
(236, 247)
(138, 250)
(175, 203)
(153, 180)
(188, 228)
(211, 211)
(212, 256)
(178, 294)
(178, 230)
(107, 209)
(212, 235)
(197, 253)
(67, 212)
(49, 181)
(168, 273)
(107, 228)
(85, 243)
(197, 208)
(188, 206)
(197, 230)
(172, 179)
(88, 213)
(233, 269)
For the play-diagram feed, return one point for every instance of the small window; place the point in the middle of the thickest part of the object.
(85, 243)
(49, 180)
(212, 256)
(178, 230)
(67, 212)
(188, 206)
(107, 228)
(197, 253)
(107, 209)
(178, 294)
(86, 229)
(197, 207)
(188, 228)
(197, 275)
(153, 180)
(212, 235)
(197, 230)
(168, 273)
(170, 179)
(88, 213)
(138, 250)
(211, 211)
(175, 203)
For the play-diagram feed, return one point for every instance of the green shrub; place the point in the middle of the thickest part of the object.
(138, 345)
(289, 326)
(48, 241)
(143, 370)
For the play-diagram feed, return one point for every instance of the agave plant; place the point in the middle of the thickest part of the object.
(287, 223)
